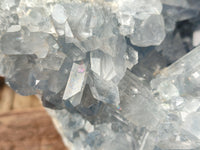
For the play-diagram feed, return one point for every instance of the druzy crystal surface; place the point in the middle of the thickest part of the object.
(113, 74)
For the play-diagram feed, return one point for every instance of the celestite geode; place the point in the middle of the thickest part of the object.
(114, 74)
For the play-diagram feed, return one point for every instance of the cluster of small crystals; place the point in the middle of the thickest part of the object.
(97, 65)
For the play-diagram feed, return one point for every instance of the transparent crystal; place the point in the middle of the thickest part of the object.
(24, 42)
(59, 14)
(177, 88)
(134, 98)
(150, 32)
(76, 80)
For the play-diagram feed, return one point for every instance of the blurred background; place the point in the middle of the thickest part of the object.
(24, 123)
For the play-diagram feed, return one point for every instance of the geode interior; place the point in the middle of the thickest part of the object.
(113, 74)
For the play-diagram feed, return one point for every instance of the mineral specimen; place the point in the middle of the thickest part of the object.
(178, 87)
(113, 74)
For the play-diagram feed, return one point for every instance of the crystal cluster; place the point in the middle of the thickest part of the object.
(113, 74)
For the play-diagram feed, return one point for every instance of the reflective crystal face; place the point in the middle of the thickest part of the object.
(97, 65)
(78, 40)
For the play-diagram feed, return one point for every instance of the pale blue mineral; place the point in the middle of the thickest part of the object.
(113, 74)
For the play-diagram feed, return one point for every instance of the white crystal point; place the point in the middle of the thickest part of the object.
(18, 43)
(76, 80)
(127, 24)
(172, 89)
(103, 65)
(76, 99)
(183, 75)
(105, 91)
(36, 19)
(150, 32)
(37, 43)
(74, 52)
(59, 14)
(128, 13)
(68, 31)
(136, 102)
(56, 84)
(131, 57)
(53, 61)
